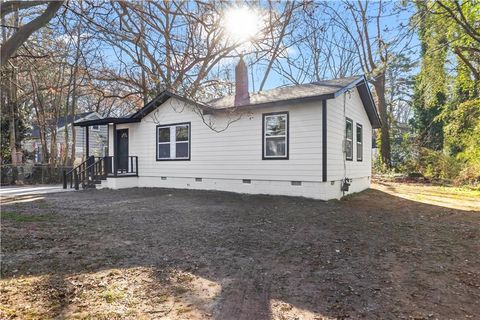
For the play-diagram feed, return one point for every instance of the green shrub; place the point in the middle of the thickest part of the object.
(470, 175)
(438, 165)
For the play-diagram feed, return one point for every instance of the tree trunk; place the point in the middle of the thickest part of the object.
(38, 107)
(22, 33)
(379, 85)
(74, 94)
(13, 105)
(53, 145)
(65, 159)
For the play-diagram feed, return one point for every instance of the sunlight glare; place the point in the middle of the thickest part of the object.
(242, 24)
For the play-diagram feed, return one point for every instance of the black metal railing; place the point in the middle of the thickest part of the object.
(77, 174)
(122, 165)
(93, 170)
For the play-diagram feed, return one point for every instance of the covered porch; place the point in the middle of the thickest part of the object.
(117, 164)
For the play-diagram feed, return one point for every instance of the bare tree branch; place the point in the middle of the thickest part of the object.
(24, 32)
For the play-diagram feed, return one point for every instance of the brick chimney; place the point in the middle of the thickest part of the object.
(241, 83)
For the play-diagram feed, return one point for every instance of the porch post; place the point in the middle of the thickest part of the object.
(115, 149)
(87, 142)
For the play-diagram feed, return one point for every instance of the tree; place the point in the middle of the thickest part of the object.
(177, 46)
(10, 45)
(313, 49)
(463, 18)
(447, 88)
(373, 54)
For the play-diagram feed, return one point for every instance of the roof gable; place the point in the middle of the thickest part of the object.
(162, 98)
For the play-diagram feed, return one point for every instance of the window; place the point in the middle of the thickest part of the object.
(173, 142)
(96, 127)
(359, 142)
(275, 136)
(349, 139)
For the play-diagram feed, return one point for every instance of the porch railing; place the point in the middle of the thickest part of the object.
(122, 165)
(95, 169)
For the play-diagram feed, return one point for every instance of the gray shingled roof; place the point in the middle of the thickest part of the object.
(314, 89)
(60, 122)
(321, 90)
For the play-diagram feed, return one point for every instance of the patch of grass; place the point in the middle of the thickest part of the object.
(131, 313)
(183, 310)
(113, 295)
(162, 298)
(25, 218)
(42, 203)
(6, 312)
(463, 191)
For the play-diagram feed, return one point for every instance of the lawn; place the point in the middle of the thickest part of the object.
(394, 251)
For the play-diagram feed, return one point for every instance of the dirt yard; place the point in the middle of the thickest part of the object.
(392, 252)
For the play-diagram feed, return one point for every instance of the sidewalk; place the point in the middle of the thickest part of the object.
(14, 191)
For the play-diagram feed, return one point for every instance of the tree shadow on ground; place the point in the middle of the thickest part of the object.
(374, 256)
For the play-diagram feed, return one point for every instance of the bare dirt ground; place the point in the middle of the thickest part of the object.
(178, 254)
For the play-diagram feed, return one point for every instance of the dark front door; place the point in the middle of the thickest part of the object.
(122, 150)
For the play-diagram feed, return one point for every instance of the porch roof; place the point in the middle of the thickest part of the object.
(104, 121)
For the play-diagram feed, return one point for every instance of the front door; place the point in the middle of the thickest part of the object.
(122, 150)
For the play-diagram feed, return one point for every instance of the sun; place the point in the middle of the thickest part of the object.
(242, 24)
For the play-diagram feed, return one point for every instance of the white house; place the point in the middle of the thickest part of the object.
(312, 140)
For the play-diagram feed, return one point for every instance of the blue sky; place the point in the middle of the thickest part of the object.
(397, 24)
(394, 24)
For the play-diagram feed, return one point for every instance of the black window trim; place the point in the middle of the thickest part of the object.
(264, 115)
(189, 140)
(346, 155)
(356, 140)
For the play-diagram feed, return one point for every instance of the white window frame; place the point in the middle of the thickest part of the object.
(285, 136)
(359, 143)
(173, 141)
(98, 127)
(347, 139)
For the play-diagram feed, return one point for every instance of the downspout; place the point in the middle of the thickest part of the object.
(345, 181)
(324, 140)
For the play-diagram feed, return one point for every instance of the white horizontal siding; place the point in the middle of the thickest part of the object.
(338, 167)
(235, 153)
(97, 140)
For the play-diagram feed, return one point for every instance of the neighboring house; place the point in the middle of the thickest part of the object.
(307, 140)
(97, 137)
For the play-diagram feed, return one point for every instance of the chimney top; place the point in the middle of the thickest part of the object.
(241, 83)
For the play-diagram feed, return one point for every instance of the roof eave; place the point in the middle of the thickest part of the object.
(369, 103)
(104, 121)
(273, 103)
(351, 85)
(162, 98)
